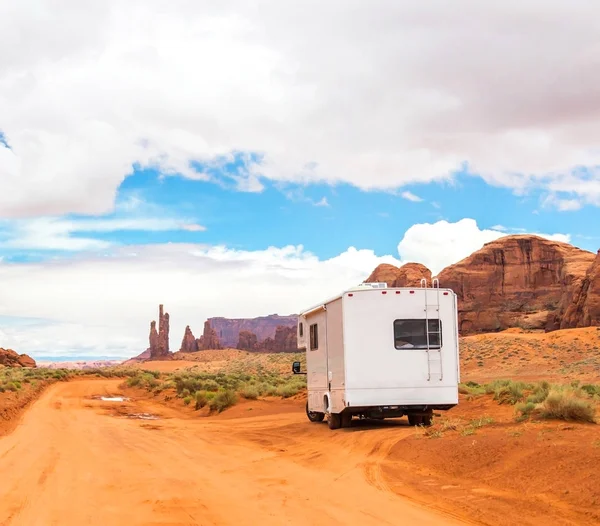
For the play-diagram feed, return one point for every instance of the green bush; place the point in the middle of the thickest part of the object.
(201, 399)
(510, 393)
(250, 392)
(222, 401)
(564, 404)
(187, 400)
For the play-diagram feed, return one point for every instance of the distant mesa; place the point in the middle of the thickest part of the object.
(263, 334)
(10, 358)
(516, 281)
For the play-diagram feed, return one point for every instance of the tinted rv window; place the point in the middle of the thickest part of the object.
(411, 334)
(314, 337)
(301, 329)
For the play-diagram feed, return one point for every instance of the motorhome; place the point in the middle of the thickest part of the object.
(380, 352)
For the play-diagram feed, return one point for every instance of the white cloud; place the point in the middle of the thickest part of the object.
(103, 304)
(409, 196)
(322, 202)
(192, 227)
(500, 228)
(440, 244)
(166, 84)
(51, 233)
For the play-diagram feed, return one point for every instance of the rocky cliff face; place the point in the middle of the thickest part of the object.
(209, 338)
(159, 340)
(247, 341)
(582, 306)
(189, 342)
(516, 281)
(408, 275)
(228, 329)
(10, 358)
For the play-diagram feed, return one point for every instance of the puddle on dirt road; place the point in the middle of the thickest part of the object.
(142, 416)
(110, 398)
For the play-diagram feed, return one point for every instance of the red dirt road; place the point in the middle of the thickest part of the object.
(74, 460)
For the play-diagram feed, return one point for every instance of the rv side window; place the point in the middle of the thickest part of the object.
(314, 337)
(411, 334)
(301, 329)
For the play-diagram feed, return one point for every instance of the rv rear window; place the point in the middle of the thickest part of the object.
(301, 329)
(411, 334)
(314, 337)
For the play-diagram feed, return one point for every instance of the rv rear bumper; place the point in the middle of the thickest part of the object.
(438, 397)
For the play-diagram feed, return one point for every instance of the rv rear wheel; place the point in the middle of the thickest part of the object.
(334, 421)
(314, 416)
(346, 420)
(415, 420)
(427, 418)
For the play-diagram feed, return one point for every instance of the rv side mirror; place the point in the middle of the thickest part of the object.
(296, 368)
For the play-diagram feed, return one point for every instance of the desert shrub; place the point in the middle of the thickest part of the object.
(564, 404)
(511, 393)
(187, 400)
(249, 392)
(524, 410)
(482, 421)
(201, 399)
(222, 401)
(540, 392)
(590, 389)
(267, 389)
(287, 390)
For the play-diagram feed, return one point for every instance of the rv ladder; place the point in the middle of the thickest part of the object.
(434, 356)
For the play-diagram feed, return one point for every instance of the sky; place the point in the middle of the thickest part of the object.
(245, 158)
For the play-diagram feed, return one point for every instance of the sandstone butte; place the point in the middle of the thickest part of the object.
(159, 340)
(283, 340)
(516, 281)
(10, 358)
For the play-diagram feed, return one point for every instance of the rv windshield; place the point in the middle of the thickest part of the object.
(411, 334)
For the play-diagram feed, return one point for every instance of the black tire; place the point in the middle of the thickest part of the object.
(415, 420)
(427, 419)
(314, 416)
(346, 420)
(334, 421)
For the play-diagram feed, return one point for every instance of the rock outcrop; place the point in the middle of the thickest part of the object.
(408, 275)
(516, 281)
(10, 358)
(189, 342)
(247, 341)
(159, 340)
(582, 307)
(228, 329)
(285, 340)
(209, 338)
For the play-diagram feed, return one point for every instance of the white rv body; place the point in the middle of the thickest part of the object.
(368, 352)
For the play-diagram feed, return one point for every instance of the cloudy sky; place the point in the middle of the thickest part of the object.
(242, 158)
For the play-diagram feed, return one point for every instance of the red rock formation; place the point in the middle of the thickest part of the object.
(228, 329)
(515, 281)
(247, 341)
(408, 275)
(286, 339)
(582, 307)
(209, 338)
(10, 358)
(159, 340)
(189, 342)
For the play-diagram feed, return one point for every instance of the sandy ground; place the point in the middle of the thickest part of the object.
(74, 460)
